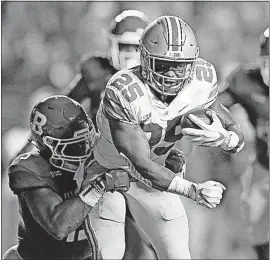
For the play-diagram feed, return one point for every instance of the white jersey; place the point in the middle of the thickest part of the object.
(130, 100)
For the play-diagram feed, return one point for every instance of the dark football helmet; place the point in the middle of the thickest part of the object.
(124, 35)
(169, 51)
(61, 130)
(264, 56)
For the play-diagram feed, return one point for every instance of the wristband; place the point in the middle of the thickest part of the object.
(180, 186)
(90, 195)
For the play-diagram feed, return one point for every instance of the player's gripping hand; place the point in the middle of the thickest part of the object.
(213, 135)
(94, 188)
(117, 180)
(207, 194)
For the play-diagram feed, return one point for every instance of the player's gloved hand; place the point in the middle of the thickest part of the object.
(207, 194)
(213, 135)
(117, 180)
(94, 188)
(176, 162)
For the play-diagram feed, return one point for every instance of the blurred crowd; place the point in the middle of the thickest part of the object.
(42, 44)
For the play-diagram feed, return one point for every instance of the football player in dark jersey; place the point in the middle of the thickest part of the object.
(52, 203)
(95, 69)
(249, 87)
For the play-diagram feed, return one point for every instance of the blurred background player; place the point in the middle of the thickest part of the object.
(95, 69)
(248, 86)
(52, 206)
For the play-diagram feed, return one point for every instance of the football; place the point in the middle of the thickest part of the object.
(198, 112)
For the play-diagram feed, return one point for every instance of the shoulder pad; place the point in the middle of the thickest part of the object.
(29, 171)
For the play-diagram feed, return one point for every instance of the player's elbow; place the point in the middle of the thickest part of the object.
(59, 232)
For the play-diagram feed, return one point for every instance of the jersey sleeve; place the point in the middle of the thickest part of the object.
(205, 83)
(214, 88)
(28, 172)
(116, 105)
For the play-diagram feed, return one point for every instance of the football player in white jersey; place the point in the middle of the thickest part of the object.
(139, 123)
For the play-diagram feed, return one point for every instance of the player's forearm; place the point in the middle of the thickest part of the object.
(162, 178)
(159, 176)
(165, 180)
(67, 216)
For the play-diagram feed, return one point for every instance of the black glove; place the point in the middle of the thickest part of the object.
(118, 180)
(112, 180)
(176, 162)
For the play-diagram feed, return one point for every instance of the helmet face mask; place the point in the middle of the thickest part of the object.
(166, 76)
(168, 57)
(125, 33)
(68, 154)
(61, 128)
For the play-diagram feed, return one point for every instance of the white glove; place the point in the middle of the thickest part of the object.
(213, 135)
(93, 191)
(207, 194)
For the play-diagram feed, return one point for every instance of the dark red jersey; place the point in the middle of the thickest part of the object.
(31, 171)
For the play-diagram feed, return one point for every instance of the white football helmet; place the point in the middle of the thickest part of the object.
(124, 36)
